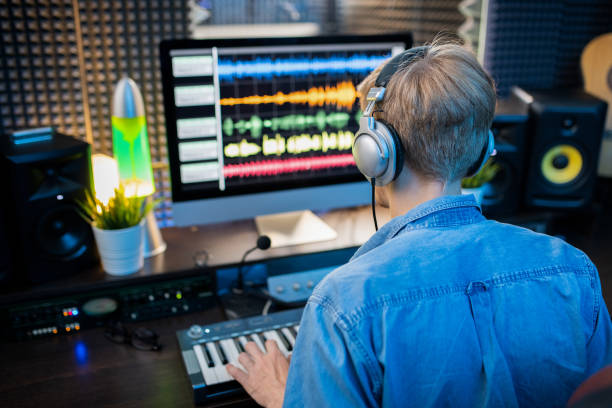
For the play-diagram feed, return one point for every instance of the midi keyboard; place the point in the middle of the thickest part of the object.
(207, 349)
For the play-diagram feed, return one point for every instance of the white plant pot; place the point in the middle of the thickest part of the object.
(478, 192)
(122, 250)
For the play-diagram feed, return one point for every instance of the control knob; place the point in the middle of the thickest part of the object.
(195, 331)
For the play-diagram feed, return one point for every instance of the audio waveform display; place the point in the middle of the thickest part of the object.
(279, 166)
(266, 68)
(255, 124)
(343, 95)
(296, 144)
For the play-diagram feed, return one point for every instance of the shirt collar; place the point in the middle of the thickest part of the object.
(446, 210)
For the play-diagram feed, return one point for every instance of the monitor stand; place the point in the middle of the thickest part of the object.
(294, 228)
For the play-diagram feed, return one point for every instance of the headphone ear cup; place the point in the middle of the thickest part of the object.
(370, 151)
(375, 150)
(487, 152)
(398, 148)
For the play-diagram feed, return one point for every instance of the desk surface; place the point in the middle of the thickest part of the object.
(85, 369)
(88, 370)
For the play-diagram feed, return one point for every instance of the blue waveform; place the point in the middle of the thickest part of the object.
(266, 68)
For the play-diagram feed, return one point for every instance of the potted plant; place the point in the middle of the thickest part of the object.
(118, 228)
(476, 184)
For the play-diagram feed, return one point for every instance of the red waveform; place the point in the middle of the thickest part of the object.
(273, 167)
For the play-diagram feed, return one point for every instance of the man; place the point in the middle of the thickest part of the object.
(441, 307)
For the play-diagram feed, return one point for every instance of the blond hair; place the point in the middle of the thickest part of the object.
(442, 106)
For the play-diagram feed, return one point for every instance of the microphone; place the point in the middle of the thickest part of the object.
(263, 243)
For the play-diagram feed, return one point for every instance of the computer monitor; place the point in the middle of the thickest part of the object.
(265, 126)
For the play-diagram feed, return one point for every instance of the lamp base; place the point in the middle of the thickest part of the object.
(154, 243)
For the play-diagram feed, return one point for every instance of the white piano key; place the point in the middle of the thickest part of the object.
(257, 340)
(243, 340)
(209, 374)
(231, 352)
(272, 335)
(284, 339)
(238, 344)
(222, 374)
(293, 332)
(221, 352)
(289, 336)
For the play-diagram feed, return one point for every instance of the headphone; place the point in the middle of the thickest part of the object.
(377, 149)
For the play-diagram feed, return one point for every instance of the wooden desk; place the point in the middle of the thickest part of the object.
(87, 370)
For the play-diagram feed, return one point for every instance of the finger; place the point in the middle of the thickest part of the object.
(289, 358)
(246, 361)
(237, 374)
(272, 347)
(253, 350)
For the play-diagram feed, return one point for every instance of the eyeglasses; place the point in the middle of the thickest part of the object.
(140, 338)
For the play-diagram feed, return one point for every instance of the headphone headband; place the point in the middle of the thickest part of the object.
(396, 62)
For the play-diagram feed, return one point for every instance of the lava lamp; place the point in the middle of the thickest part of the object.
(131, 150)
(130, 139)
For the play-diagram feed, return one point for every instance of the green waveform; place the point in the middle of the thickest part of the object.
(295, 144)
(255, 124)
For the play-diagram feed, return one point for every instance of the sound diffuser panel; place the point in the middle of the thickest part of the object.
(424, 18)
(537, 44)
(60, 59)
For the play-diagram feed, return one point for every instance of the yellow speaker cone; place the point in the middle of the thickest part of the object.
(562, 164)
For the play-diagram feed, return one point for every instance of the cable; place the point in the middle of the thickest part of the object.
(266, 308)
(374, 204)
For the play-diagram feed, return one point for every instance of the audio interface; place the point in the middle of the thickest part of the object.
(94, 308)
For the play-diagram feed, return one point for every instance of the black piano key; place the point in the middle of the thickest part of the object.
(238, 345)
(293, 332)
(263, 338)
(207, 356)
(284, 339)
(221, 353)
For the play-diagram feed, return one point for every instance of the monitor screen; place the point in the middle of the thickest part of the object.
(248, 118)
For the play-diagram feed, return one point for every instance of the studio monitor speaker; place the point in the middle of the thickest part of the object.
(565, 129)
(47, 236)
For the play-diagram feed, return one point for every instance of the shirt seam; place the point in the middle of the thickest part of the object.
(341, 321)
(358, 314)
(417, 227)
(446, 205)
(596, 303)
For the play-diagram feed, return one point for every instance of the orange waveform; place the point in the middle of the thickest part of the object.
(343, 95)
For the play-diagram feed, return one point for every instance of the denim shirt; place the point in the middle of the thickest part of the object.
(442, 307)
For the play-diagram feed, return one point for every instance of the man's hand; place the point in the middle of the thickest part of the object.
(265, 376)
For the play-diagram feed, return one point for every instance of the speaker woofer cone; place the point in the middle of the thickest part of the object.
(562, 164)
(62, 233)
